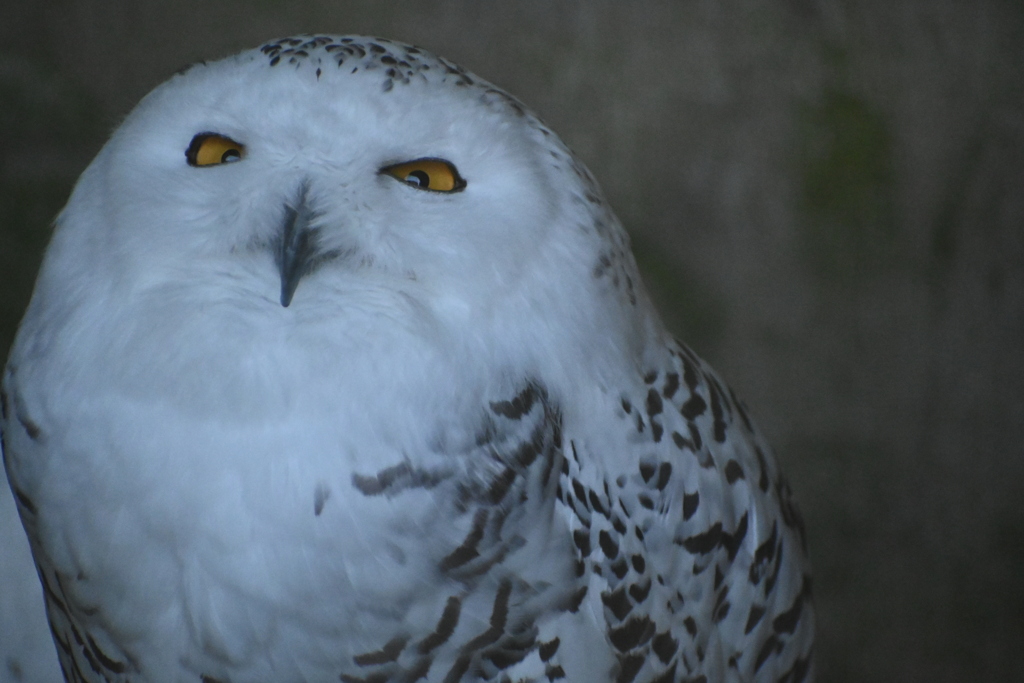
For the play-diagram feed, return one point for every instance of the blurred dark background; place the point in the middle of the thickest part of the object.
(827, 200)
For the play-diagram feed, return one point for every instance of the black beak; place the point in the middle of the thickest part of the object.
(297, 248)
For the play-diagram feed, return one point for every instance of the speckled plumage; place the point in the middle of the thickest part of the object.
(464, 449)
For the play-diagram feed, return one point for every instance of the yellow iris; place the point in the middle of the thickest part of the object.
(437, 175)
(210, 149)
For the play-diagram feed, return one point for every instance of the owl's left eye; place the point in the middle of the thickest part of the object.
(436, 175)
(211, 149)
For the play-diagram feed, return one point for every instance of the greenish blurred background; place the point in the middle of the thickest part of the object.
(827, 200)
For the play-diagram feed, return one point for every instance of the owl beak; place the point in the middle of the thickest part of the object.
(297, 247)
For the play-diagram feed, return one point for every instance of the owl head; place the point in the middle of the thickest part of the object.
(355, 186)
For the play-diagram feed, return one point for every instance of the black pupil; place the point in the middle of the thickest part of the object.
(230, 155)
(418, 178)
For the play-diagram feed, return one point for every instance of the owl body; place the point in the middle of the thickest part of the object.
(339, 368)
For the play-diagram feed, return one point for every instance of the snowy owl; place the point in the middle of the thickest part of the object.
(339, 368)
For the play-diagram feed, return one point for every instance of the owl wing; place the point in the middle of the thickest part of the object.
(693, 545)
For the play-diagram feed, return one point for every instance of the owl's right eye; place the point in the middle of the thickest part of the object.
(211, 149)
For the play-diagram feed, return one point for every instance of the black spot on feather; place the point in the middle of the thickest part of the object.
(389, 653)
(635, 632)
(445, 626)
(617, 602)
